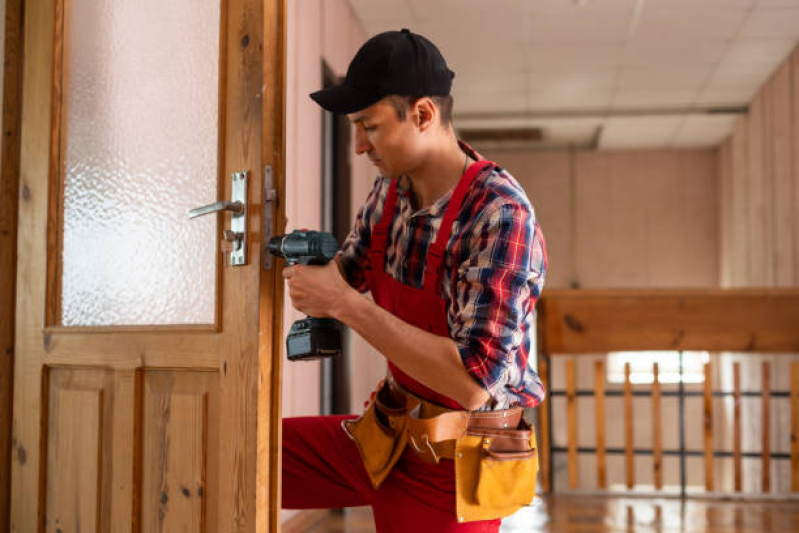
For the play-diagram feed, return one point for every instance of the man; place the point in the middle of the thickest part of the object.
(449, 247)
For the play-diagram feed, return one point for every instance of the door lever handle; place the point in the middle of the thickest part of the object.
(237, 208)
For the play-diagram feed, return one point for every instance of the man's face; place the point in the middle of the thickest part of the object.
(391, 144)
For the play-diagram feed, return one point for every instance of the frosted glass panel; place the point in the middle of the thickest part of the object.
(140, 137)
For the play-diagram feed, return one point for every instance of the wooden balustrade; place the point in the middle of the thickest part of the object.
(575, 322)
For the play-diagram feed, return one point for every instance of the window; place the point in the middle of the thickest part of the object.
(642, 365)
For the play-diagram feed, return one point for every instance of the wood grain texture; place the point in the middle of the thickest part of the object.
(795, 426)
(708, 428)
(26, 492)
(794, 59)
(180, 428)
(657, 434)
(237, 458)
(629, 443)
(270, 330)
(736, 428)
(758, 215)
(746, 320)
(571, 421)
(599, 402)
(740, 269)
(9, 199)
(79, 439)
(766, 427)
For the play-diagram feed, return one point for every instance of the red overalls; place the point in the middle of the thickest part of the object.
(322, 467)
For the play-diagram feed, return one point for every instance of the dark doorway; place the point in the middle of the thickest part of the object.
(336, 218)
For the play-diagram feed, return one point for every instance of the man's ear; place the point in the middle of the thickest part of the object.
(425, 113)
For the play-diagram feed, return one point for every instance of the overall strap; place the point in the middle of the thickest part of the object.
(377, 248)
(435, 253)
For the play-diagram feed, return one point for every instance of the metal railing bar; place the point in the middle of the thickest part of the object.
(689, 453)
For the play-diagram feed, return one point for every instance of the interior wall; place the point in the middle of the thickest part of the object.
(319, 30)
(759, 235)
(623, 219)
(759, 193)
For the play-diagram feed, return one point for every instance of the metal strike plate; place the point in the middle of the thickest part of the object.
(238, 221)
(267, 215)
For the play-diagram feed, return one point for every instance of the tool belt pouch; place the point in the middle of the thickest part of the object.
(495, 472)
(380, 433)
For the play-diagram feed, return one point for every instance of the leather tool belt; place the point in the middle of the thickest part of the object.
(495, 452)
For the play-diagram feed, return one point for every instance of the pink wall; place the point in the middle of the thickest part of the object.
(615, 219)
(318, 30)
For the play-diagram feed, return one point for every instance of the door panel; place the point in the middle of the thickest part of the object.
(79, 422)
(131, 414)
(181, 414)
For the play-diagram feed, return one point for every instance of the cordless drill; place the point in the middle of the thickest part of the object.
(309, 338)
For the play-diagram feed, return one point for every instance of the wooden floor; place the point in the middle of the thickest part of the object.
(608, 514)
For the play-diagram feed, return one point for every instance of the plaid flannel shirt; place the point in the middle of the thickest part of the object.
(493, 274)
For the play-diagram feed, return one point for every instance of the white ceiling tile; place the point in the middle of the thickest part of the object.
(713, 95)
(566, 56)
(660, 77)
(489, 101)
(578, 29)
(596, 100)
(489, 79)
(639, 132)
(575, 80)
(741, 75)
(373, 27)
(704, 5)
(471, 10)
(687, 24)
(653, 99)
(770, 4)
(572, 8)
(675, 52)
(772, 24)
(772, 52)
(703, 130)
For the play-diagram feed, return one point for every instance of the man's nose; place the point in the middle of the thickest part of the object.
(362, 144)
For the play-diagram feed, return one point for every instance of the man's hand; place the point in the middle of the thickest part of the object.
(317, 291)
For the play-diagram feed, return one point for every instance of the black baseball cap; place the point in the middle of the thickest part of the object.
(393, 62)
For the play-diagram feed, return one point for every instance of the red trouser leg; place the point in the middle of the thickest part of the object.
(322, 469)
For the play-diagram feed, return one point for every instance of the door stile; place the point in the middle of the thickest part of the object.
(26, 496)
(270, 328)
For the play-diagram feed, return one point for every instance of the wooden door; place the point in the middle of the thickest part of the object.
(146, 385)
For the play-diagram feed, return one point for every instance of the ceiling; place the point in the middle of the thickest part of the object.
(604, 73)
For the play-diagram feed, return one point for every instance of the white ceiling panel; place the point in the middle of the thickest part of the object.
(577, 29)
(639, 132)
(771, 52)
(703, 130)
(772, 24)
(589, 59)
(723, 97)
(569, 100)
(575, 80)
(660, 77)
(675, 52)
(688, 24)
(653, 99)
(489, 102)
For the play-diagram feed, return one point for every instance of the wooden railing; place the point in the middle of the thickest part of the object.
(745, 320)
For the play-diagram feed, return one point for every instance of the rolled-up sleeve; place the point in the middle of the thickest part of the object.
(493, 309)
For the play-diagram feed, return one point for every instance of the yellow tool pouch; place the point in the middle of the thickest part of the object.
(381, 432)
(495, 472)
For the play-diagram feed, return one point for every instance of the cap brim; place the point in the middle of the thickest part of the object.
(343, 99)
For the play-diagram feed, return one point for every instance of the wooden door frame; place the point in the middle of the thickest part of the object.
(258, 30)
(9, 202)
